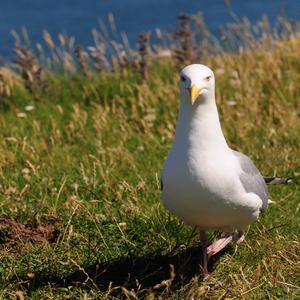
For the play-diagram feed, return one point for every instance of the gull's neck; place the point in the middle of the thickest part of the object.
(199, 126)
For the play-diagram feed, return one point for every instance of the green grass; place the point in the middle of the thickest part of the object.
(87, 160)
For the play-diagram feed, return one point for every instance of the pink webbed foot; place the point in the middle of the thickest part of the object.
(208, 251)
(219, 245)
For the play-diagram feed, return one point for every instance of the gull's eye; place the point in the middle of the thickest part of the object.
(182, 78)
(208, 78)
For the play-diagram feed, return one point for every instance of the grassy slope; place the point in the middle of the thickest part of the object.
(89, 157)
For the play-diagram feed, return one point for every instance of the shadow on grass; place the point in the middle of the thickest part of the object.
(142, 273)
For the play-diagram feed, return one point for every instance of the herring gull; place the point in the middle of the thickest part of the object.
(206, 183)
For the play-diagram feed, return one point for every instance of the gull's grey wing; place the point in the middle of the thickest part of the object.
(252, 180)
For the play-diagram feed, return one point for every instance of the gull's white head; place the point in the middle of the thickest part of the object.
(197, 83)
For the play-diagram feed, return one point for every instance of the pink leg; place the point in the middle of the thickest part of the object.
(239, 238)
(204, 244)
(219, 245)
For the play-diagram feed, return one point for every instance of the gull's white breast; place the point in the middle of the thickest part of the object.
(202, 188)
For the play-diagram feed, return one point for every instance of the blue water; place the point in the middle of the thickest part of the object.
(78, 17)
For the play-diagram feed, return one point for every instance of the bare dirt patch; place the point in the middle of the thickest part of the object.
(13, 231)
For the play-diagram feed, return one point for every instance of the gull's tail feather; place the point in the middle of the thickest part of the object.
(276, 180)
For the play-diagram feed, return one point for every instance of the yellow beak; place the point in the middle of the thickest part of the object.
(195, 91)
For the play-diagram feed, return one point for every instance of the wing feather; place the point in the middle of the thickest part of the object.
(252, 180)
